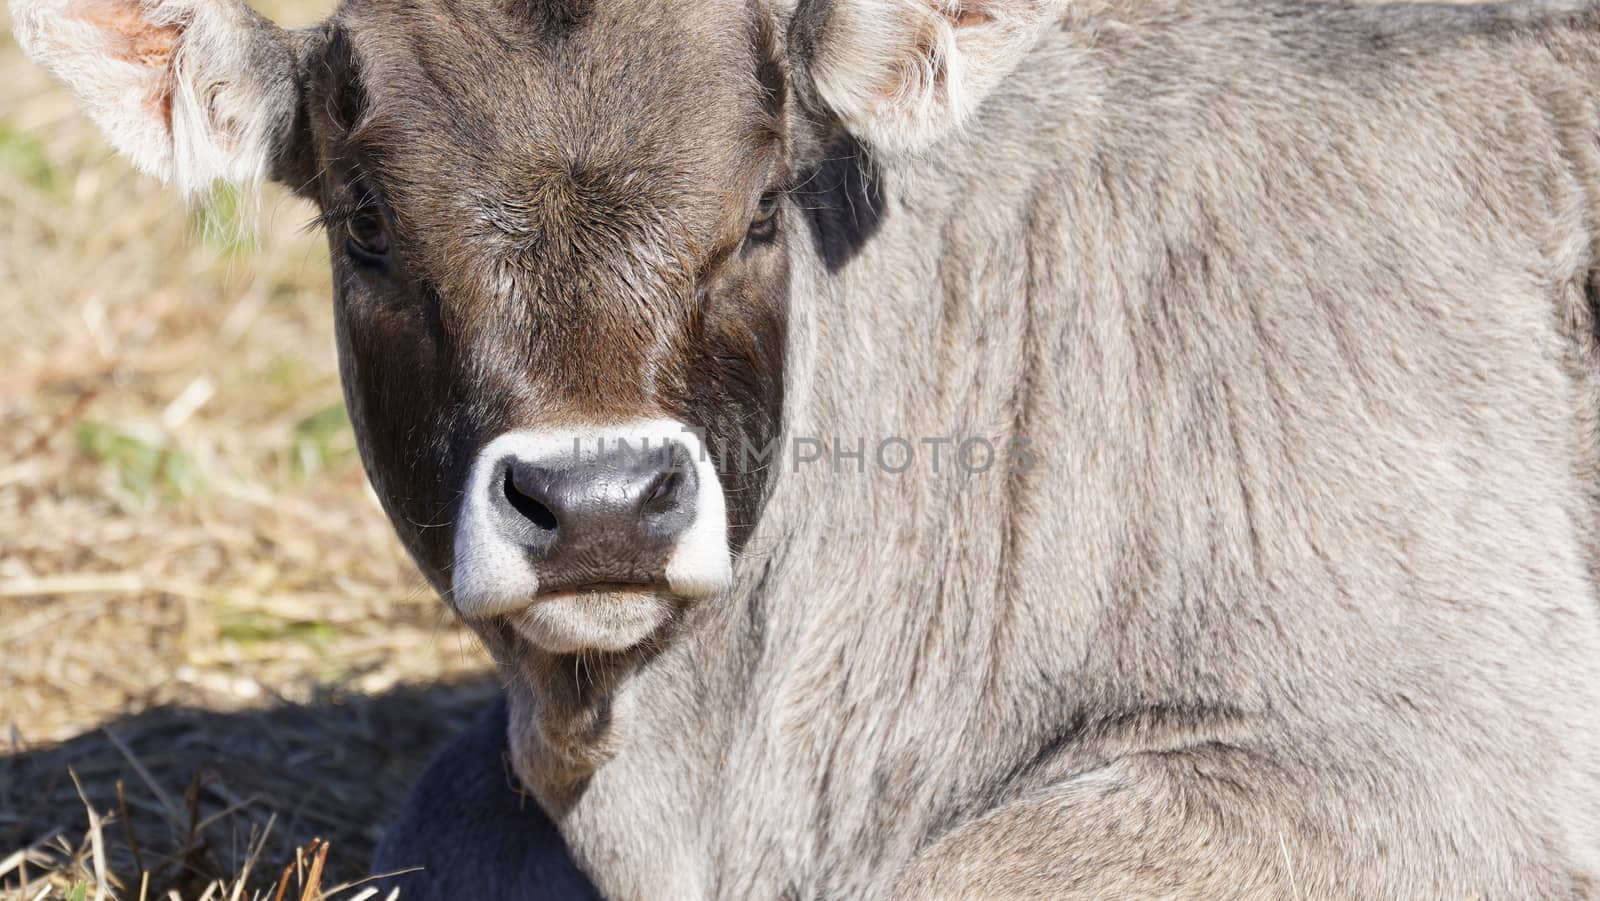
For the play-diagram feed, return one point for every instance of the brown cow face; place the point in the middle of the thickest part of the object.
(560, 272)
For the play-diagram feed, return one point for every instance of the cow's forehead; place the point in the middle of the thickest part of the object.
(630, 130)
(670, 76)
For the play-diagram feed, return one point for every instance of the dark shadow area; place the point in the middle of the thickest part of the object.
(470, 830)
(843, 199)
(183, 791)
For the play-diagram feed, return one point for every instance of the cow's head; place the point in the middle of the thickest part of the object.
(560, 233)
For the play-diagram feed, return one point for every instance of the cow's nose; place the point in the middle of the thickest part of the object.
(590, 538)
(608, 519)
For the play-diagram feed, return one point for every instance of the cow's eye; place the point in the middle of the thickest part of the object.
(765, 224)
(367, 237)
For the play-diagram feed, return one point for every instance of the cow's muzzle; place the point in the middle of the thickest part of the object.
(588, 539)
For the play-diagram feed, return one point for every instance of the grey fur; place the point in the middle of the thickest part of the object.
(1291, 299)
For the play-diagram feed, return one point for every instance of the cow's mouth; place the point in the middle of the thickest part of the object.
(599, 617)
(606, 588)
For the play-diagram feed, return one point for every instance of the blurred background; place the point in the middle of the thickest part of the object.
(206, 626)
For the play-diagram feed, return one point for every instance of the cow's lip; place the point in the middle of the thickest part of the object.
(594, 618)
(614, 590)
(605, 588)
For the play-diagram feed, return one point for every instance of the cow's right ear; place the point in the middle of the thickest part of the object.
(192, 91)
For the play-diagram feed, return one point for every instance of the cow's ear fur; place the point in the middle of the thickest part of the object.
(192, 91)
(900, 74)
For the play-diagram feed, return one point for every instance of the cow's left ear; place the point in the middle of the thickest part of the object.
(192, 91)
(900, 74)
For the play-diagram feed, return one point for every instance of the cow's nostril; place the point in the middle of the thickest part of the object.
(664, 490)
(532, 510)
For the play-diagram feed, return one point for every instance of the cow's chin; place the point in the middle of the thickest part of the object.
(603, 621)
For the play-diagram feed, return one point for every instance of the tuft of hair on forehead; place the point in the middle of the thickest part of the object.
(552, 19)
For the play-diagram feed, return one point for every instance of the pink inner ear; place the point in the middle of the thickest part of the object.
(130, 37)
(971, 15)
(932, 80)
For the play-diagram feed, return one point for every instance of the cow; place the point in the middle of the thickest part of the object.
(956, 448)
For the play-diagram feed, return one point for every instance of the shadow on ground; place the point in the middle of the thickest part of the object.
(196, 785)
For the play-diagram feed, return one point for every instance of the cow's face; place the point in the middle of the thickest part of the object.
(561, 282)
(561, 244)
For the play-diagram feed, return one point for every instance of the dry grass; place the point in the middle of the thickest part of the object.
(203, 614)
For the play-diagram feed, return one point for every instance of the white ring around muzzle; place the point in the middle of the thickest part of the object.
(492, 575)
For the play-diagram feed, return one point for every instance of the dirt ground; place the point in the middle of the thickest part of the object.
(205, 621)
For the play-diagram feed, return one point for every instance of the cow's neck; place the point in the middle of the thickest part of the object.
(890, 612)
